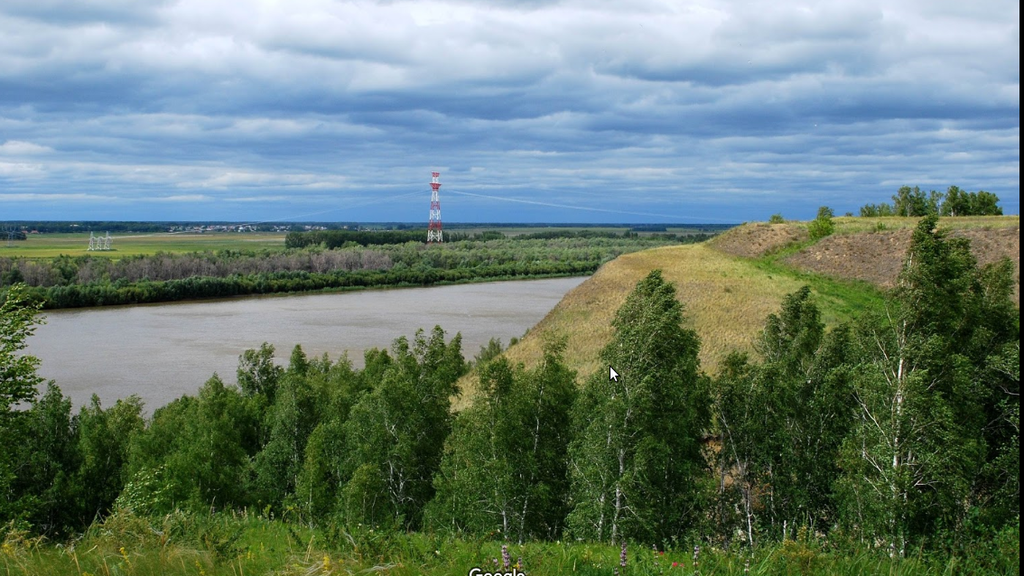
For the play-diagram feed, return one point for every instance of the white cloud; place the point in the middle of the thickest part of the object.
(51, 198)
(19, 148)
(212, 99)
(20, 170)
(182, 198)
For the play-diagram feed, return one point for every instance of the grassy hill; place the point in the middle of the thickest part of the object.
(728, 286)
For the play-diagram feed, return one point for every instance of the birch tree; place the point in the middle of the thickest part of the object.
(395, 433)
(637, 465)
(919, 441)
(504, 467)
(781, 422)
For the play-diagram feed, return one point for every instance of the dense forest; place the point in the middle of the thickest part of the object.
(71, 282)
(897, 434)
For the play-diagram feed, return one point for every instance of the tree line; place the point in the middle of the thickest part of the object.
(954, 202)
(350, 238)
(898, 431)
(67, 282)
(340, 238)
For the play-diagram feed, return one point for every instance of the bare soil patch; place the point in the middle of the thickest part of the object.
(759, 238)
(877, 257)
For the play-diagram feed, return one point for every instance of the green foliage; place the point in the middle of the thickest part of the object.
(822, 226)
(962, 203)
(488, 352)
(198, 449)
(876, 210)
(42, 491)
(914, 202)
(257, 374)
(781, 424)
(504, 465)
(1001, 475)
(18, 378)
(104, 441)
(18, 382)
(395, 433)
(888, 445)
(920, 440)
(290, 421)
(339, 238)
(230, 544)
(637, 463)
(776, 219)
(68, 282)
(323, 471)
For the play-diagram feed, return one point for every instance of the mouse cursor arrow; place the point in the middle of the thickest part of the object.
(612, 374)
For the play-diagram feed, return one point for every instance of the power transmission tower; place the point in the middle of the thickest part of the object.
(101, 243)
(434, 228)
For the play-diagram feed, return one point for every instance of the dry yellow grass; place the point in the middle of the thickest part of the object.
(725, 299)
(848, 225)
(726, 296)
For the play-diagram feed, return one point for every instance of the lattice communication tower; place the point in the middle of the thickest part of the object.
(434, 228)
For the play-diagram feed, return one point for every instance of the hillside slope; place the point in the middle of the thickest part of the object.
(729, 286)
(870, 249)
(725, 299)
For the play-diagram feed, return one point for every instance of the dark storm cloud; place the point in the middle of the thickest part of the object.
(244, 111)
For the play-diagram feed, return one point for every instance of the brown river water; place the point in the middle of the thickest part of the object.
(163, 351)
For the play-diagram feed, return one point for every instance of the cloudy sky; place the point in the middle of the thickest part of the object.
(532, 110)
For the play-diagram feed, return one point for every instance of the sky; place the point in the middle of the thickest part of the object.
(531, 110)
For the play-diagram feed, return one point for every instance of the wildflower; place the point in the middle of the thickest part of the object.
(622, 556)
(124, 555)
(506, 560)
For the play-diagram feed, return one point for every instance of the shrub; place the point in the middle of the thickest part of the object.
(822, 225)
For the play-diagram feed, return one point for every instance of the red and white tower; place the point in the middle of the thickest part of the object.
(434, 229)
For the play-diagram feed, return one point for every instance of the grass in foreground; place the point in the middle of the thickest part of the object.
(231, 544)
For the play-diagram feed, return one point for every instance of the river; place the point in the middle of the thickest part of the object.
(162, 351)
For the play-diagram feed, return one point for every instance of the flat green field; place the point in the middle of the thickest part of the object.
(51, 245)
(76, 244)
